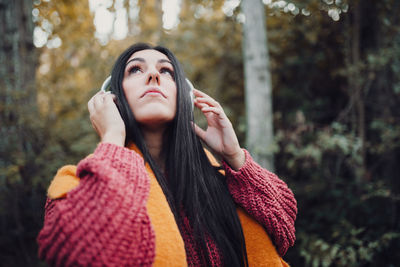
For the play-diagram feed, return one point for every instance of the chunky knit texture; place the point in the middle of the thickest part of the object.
(104, 220)
(265, 197)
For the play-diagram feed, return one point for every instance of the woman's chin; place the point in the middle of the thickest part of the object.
(155, 118)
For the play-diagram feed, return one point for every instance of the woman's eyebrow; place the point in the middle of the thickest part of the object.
(142, 60)
(135, 59)
(164, 61)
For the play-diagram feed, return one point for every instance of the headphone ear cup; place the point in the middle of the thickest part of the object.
(106, 84)
(191, 87)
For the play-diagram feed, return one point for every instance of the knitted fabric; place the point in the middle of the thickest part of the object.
(266, 198)
(105, 219)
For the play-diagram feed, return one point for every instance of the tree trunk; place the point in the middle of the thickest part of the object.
(17, 84)
(357, 84)
(17, 114)
(258, 88)
(356, 106)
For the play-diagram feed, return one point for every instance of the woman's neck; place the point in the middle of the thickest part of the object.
(154, 140)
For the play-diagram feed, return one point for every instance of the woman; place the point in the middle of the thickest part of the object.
(149, 194)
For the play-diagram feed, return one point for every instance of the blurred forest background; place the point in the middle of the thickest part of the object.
(335, 67)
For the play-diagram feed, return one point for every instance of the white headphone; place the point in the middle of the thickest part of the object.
(191, 87)
(106, 85)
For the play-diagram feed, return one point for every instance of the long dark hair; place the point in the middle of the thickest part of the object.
(193, 184)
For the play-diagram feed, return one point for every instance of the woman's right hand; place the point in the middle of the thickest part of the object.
(105, 118)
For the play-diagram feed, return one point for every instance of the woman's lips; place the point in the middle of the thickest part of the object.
(153, 91)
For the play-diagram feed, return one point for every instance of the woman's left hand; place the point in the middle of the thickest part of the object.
(219, 135)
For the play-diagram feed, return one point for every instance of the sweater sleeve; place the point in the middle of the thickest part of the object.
(265, 197)
(103, 221)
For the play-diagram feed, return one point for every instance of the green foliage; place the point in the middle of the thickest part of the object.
(347, 188)
(348, 205)
(350, 251)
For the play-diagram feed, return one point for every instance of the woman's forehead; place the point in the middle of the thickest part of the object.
(149, 55)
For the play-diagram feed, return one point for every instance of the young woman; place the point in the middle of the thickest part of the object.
(150, 194)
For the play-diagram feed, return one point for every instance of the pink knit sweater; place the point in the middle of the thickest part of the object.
(103, 221)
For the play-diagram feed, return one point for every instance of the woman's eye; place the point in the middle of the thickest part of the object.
(134, 69)
(167, 71)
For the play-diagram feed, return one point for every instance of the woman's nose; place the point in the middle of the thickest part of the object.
(153, 77)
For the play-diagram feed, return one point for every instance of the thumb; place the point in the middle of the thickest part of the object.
(199, 132)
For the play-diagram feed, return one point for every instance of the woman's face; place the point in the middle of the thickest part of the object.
(150, 88)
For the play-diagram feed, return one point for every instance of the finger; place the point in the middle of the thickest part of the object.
(199, 132)
(201, 96)
(98, 100)
(91, 103)
(97, 94)
(208, 100)
(199, 93)
(214, 110)
(204, 97)
(114, 97)
(200, 105)
(109, 99)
